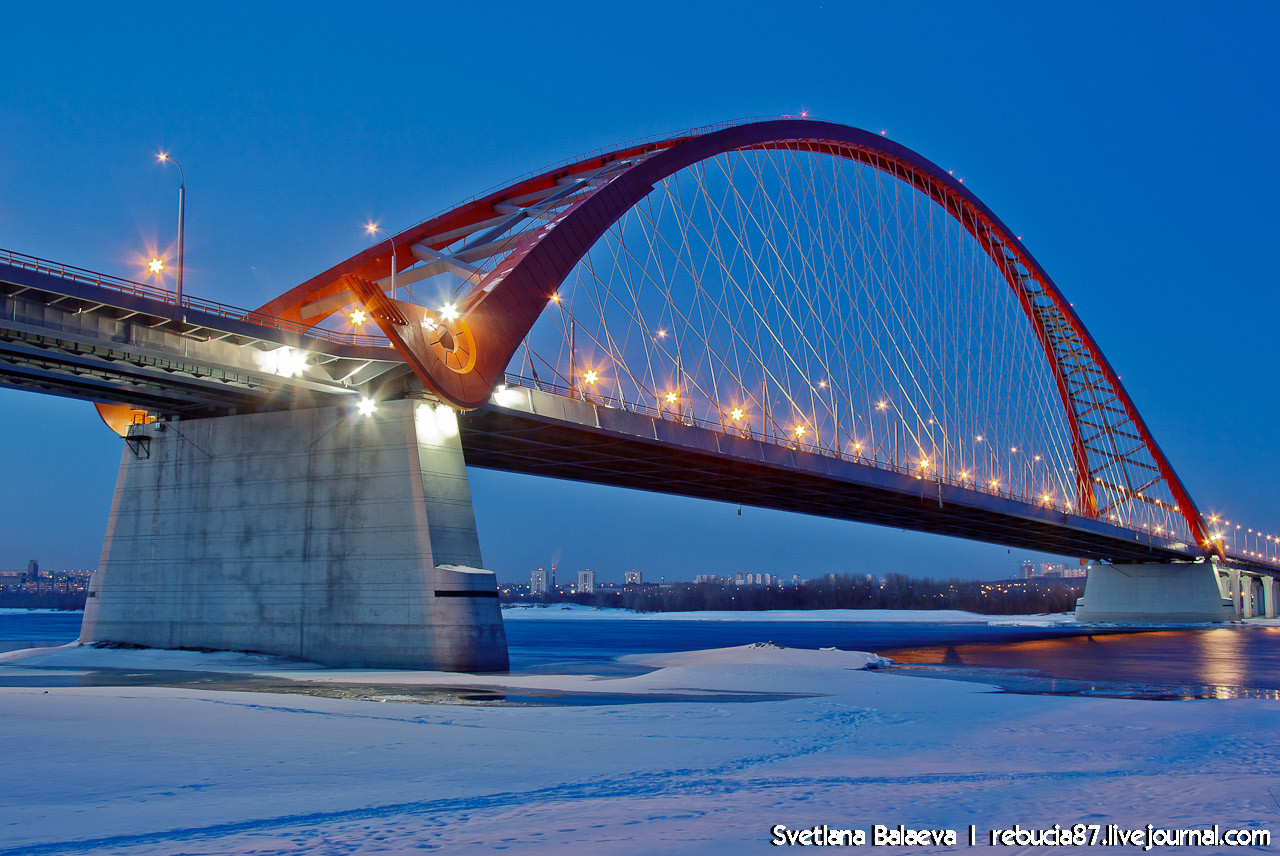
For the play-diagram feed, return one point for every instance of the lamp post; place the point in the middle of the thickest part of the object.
(372, 229)
(182, 204)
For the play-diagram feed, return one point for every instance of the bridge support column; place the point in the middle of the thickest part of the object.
(1174, 593)
(321, 534)
(1246, 595)
(1269, 596)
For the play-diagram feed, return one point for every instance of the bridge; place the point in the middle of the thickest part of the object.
(786, 313)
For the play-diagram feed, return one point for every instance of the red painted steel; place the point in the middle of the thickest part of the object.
(499, 313)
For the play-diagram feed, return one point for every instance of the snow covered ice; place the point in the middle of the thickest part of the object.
(132, 770)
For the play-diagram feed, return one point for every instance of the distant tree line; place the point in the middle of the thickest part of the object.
(42, 600)
(899, 591)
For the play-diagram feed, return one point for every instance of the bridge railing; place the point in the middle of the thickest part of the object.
(777, 438)
(673, 414)
(210, 307)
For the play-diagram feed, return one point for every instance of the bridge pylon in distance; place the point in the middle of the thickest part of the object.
(325, 534)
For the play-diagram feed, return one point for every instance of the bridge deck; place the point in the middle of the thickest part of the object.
(115, 341)
(539, 433)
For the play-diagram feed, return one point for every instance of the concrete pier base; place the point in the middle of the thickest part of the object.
(345, 539)
(1154, 594)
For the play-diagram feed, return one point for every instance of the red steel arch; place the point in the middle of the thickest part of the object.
(499, 312)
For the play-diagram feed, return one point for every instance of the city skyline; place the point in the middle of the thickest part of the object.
(81, 186)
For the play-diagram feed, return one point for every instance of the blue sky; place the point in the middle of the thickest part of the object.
(1132, 146)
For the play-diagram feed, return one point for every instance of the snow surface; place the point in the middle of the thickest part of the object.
(143, 770)
(22, 610)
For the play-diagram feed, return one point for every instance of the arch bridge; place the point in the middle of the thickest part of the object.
(783, 313)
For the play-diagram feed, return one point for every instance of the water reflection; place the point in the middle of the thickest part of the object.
(1223, 662)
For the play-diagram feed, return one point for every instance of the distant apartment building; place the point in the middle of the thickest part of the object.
(538, 584)
(1053, 570)
(760, 580)
(632, 578)
(1028, 569)
(739, 578)
(586, 582)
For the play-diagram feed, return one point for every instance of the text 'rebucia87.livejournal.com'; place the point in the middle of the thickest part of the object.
(1079, 834)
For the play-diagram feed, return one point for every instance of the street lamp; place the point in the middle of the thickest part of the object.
(163, 157)
(372, 228)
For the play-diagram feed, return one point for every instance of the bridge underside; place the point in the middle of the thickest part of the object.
(549, 435)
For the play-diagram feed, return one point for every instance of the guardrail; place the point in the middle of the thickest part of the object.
(779, 439)
(210, 307)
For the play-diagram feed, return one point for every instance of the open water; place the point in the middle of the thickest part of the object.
(1231, 661)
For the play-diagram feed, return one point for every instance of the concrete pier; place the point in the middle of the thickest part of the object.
(1154, 593)
(323, 534)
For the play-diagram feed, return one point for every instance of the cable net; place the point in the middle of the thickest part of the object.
(821, 302)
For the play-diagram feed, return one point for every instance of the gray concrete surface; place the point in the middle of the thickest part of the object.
(1153, 593)
(345, 539)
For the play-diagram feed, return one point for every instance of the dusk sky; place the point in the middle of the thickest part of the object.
(1132, 146)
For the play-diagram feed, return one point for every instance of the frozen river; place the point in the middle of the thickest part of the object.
(1220, 662)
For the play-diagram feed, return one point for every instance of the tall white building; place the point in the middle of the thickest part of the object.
(538, 582)
(586, 582)
(632, 577)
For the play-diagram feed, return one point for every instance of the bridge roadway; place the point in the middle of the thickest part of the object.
(76, 333)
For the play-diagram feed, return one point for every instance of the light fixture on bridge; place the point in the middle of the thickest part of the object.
(449, 312)
(505, 396)
(800, 430)
(284, 361)
(964, 474)
(1046, 499)
(880, 405)
(736, 414)
(672, 398)
(822, 384)
(372, 229)
(924, 463)
(156, 265)
(366, 406)
(163, 157)
(359, 317)
(662, 334)
(591, 376)
(995, 483)
(1013, 450)
(978, 439)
